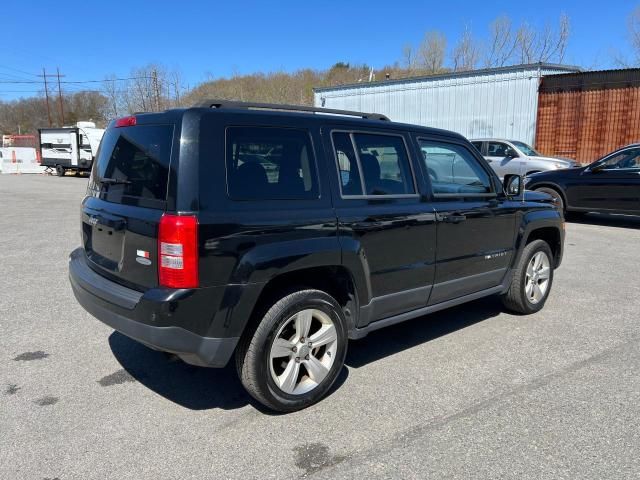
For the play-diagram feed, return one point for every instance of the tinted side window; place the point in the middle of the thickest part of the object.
(478, 145)
(384, 164)
(497, 149)
(137, 160)
(626, 159)
(270, 163)
(348, 169)
(453, 169)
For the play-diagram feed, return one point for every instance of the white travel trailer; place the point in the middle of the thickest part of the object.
(70, 147)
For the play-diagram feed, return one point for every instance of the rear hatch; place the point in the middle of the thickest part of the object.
(126, 197)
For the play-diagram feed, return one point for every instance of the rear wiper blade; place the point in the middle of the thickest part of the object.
(114, 181)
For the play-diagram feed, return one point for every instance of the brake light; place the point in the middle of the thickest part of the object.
(126, 121)
(178, 251)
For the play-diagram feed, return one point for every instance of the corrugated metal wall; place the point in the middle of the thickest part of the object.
(584, 116)
(499, 102)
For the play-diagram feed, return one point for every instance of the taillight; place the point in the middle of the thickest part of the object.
(178, 251)
(126, 121)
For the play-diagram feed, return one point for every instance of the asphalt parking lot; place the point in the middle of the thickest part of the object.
(468, 393)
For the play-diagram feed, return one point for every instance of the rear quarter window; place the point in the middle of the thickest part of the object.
(270, 163)
(132, 165)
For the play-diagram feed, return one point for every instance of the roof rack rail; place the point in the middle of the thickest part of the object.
(216, 103)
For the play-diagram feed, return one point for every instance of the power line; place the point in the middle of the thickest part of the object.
(78, 81)
(17, 70)
(68, 89)
(12, 76)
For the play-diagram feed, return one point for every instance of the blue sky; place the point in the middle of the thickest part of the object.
(88, 40)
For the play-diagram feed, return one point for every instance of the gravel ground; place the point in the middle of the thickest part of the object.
(471, 392)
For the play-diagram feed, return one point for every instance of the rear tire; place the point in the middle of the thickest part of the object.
(277, 361)
(557, 197)
(532, 279)
(60, 170)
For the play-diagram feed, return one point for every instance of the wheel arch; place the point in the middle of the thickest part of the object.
(555, 187)
(335, 280)
(547, 225)
(550, 235)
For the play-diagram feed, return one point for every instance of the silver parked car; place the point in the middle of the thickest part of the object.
(509, 156)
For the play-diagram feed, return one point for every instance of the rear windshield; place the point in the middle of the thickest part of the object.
(132, 165)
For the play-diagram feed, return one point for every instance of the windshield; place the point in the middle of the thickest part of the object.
(526, 149)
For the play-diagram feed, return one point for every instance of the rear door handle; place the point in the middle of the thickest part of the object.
(116, 223)
(454, 218)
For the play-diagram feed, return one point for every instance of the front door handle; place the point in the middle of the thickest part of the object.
(454, 218)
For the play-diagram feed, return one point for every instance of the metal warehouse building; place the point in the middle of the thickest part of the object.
(497, 102)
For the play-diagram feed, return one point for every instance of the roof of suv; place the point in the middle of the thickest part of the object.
(305, 113)
(493, 140)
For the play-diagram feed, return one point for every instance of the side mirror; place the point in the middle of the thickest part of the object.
(511, 153)
(597, 168)
(512, 185)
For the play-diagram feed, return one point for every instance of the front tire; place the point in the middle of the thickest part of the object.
(295, 353)
(60, 170)
(532, 279)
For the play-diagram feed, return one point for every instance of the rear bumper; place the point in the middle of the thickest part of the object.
(128, 312)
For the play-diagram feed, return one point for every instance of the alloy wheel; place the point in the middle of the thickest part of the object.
(537, 277)
(303, 351)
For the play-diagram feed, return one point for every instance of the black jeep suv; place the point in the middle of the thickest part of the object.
(276, 233)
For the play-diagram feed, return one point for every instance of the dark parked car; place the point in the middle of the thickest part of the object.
(611, 184)
(275, 234)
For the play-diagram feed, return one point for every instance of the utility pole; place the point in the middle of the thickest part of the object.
(154, 75)
(46, 94)
(60, 96)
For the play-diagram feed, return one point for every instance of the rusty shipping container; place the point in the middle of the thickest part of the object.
(585, 115)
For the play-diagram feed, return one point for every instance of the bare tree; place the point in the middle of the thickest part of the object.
(466, 52)
(431, 52)
(174, 80)
(26, 115)
(526, 40)
(553, 44)
(110, 89)
(546, 45)
(409, 57)
(563, 37)
(147, 89)
(501, 44)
